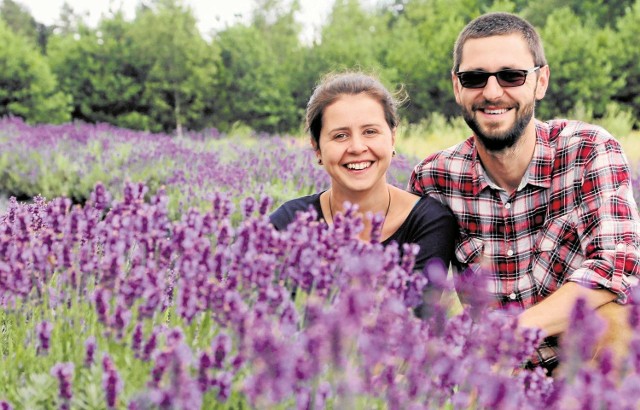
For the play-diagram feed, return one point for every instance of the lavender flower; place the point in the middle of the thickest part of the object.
(64, 373)
(90, 350)
(5, 405)
(43, 330)
(111, 382)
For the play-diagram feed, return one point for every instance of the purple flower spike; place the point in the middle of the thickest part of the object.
(111, 382)
(265, 205)
(221, 347)
(150, 346)
(136, 339)
(4, 405)
(44, 337)
(248, 205)
(90, 350)
(64, 373)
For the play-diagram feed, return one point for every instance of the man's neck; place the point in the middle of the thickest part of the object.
(507, 168)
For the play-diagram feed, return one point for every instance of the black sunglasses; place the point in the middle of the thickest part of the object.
(506, 78)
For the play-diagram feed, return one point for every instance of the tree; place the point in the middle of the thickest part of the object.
(180, 64)
(627, 59)
(27, 87)
(101, 70)
(581, 65)
(423, 38)
(261, 80)
(351, 38)
(602, 13)
(19, 20)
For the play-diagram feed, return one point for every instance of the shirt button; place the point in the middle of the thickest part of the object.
(620, 246)
(507, 205)
(512, 296)
(510, 252)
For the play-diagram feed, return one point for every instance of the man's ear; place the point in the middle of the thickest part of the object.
(542, 82)
(456, 86)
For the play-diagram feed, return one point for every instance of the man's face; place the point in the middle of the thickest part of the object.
(499, 116)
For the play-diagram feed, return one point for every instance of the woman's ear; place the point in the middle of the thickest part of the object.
(314, 145)
(316, 149)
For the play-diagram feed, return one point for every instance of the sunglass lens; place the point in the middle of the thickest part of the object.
(511, 78)
(473, 79)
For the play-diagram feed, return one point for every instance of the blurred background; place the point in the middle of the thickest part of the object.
(165, 67)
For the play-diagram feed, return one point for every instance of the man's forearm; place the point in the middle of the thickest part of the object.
(552, 314)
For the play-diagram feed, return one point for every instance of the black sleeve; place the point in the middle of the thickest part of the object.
(288, 211)
(434, 228)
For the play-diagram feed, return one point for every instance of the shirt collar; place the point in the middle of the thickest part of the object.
(540, 167)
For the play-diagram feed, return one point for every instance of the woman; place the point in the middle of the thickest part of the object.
(352, 119)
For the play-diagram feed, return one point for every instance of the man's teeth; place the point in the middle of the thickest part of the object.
(359, 165)
(501, 111)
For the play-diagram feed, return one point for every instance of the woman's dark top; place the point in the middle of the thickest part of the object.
(430, 224)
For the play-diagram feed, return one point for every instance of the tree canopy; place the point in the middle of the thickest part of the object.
(157, 72)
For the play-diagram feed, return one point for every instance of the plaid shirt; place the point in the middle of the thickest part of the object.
(572, 219)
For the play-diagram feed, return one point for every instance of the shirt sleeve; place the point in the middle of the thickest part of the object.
(414, 185)
(608, 223)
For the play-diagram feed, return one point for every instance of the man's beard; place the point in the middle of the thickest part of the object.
(497, 142)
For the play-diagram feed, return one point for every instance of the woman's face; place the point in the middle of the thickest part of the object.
(356, 143)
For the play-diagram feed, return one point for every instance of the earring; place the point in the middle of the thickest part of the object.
(319, 161)
(393, 153)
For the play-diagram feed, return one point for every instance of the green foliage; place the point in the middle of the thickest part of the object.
(422, 37)
(601, 12)
(22, 23)
(617, 119)
(627, 59)
(351, 38)
(100, 70)
(158, 73)
(257, 73)
(27, 87)
(581, 65)
(177, 64)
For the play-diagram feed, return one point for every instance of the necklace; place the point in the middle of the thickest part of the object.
(385, 213)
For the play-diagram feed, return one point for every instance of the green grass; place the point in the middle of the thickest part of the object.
(420, 140)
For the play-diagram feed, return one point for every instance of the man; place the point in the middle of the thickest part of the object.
(545, 208)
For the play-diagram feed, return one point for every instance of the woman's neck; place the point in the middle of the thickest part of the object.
(374, 201)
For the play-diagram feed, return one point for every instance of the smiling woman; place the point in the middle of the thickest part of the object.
(352, 121)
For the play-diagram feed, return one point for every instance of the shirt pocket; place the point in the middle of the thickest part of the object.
(469, 250)
(556, 254)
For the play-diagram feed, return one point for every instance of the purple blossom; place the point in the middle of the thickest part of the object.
(137, 339)
(226, 281)
(111, 382)
(5, 405)
(90, 351)
(43, 330)
(64, 373)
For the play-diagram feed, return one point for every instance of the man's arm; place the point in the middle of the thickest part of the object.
(552, 315)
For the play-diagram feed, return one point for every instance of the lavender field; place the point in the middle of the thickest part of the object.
(140, 271)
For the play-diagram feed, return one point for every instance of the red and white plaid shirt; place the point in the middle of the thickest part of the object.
(573, 218)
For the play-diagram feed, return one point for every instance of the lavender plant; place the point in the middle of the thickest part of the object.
(113, 304)
(69, 160)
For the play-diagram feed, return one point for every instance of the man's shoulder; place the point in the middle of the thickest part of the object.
(565, 133)
(430, 208)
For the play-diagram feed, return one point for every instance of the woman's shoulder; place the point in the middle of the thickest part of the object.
(287, 212)
(428, 208)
